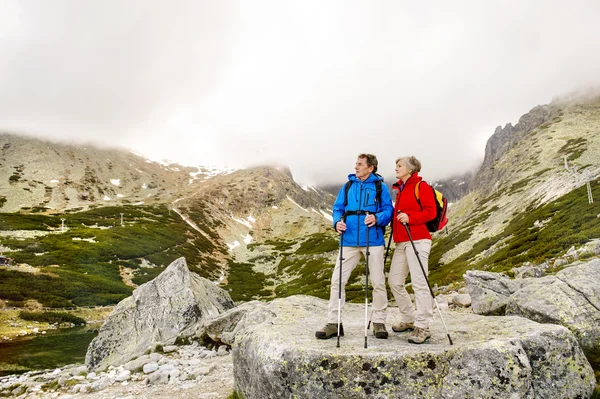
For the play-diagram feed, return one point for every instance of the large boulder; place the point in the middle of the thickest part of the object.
(492, 357)
(571, 298)
(490, 291)
(158, 312)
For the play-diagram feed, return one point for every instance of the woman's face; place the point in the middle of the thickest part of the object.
(402, 171)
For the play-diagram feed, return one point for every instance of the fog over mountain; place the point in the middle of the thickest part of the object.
(308, 85)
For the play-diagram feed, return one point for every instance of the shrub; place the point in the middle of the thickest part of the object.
(51, 317)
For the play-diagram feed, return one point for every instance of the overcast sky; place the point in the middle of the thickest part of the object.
(307, 84)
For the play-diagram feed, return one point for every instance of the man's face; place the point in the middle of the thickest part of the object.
(362, 169)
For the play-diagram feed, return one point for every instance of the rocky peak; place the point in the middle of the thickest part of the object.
(510, 136)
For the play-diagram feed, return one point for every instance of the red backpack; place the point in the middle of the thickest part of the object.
(441, 208)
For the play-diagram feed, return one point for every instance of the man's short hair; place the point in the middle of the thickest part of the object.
(371, 160)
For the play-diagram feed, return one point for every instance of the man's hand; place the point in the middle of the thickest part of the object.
(340, 227)
(370, 220)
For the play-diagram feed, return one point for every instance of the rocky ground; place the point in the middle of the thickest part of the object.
(190, 371)
(182, 372)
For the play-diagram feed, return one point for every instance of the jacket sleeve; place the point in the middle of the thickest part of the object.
(387, 207)
(428, 206)
(338, 207)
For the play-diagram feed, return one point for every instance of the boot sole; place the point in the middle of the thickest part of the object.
(418, 343)
(327, 337)
(406, 329)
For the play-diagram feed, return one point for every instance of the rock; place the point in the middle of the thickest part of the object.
(529, 271)
(492, 357)
(158, 377)
(170, 306)
(560, 262)
(101, 384)
(170, 348)
(137, 364)
(150, 368)
(224, 328)
(222, 351)
(463, 300)
(124, 375)
(78, 370)
(490, 291)
(571, 298)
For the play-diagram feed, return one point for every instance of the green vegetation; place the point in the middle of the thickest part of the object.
(317, 244)
(2, 200)
(244, 284)
(51, 317)
(518, 186)
(571, 220)
(573, 148)
(596, 393)
(81, 265)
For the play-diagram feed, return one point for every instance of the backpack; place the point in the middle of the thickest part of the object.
(441, 208)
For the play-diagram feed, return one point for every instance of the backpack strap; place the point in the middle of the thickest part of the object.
(378, 190)
(417, 192)
(346, 189)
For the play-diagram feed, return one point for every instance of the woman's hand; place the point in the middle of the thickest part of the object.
(402, 218)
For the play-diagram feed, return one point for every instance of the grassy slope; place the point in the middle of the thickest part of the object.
(76, 272)
(567, 221)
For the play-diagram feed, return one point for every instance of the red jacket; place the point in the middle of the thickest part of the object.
(418, 215)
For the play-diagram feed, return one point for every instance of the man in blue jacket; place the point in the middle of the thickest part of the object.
(358, 210)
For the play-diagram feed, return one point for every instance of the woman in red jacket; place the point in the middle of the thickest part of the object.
(412, 214)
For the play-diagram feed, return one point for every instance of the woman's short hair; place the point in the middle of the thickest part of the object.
(411, 163)
(371, 161)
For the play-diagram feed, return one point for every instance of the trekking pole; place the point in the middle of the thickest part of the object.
(367, 286)
(387, 251)
(427, 280)
(340, 288)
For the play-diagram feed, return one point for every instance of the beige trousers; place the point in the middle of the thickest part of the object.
(403, 262)
(352, 256)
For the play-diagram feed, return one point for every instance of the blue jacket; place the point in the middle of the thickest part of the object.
(362, 197)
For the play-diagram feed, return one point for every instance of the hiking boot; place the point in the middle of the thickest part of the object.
(419, 335)
(403, 326)
(379, 331)
(330, 330)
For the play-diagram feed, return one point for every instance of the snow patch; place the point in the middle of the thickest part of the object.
(120, 195)
(116, 182)
(248, 239)
(106, 198)
(326, 215)
(54, 181)
(244, 222)
(234, 245)
(293, 202)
